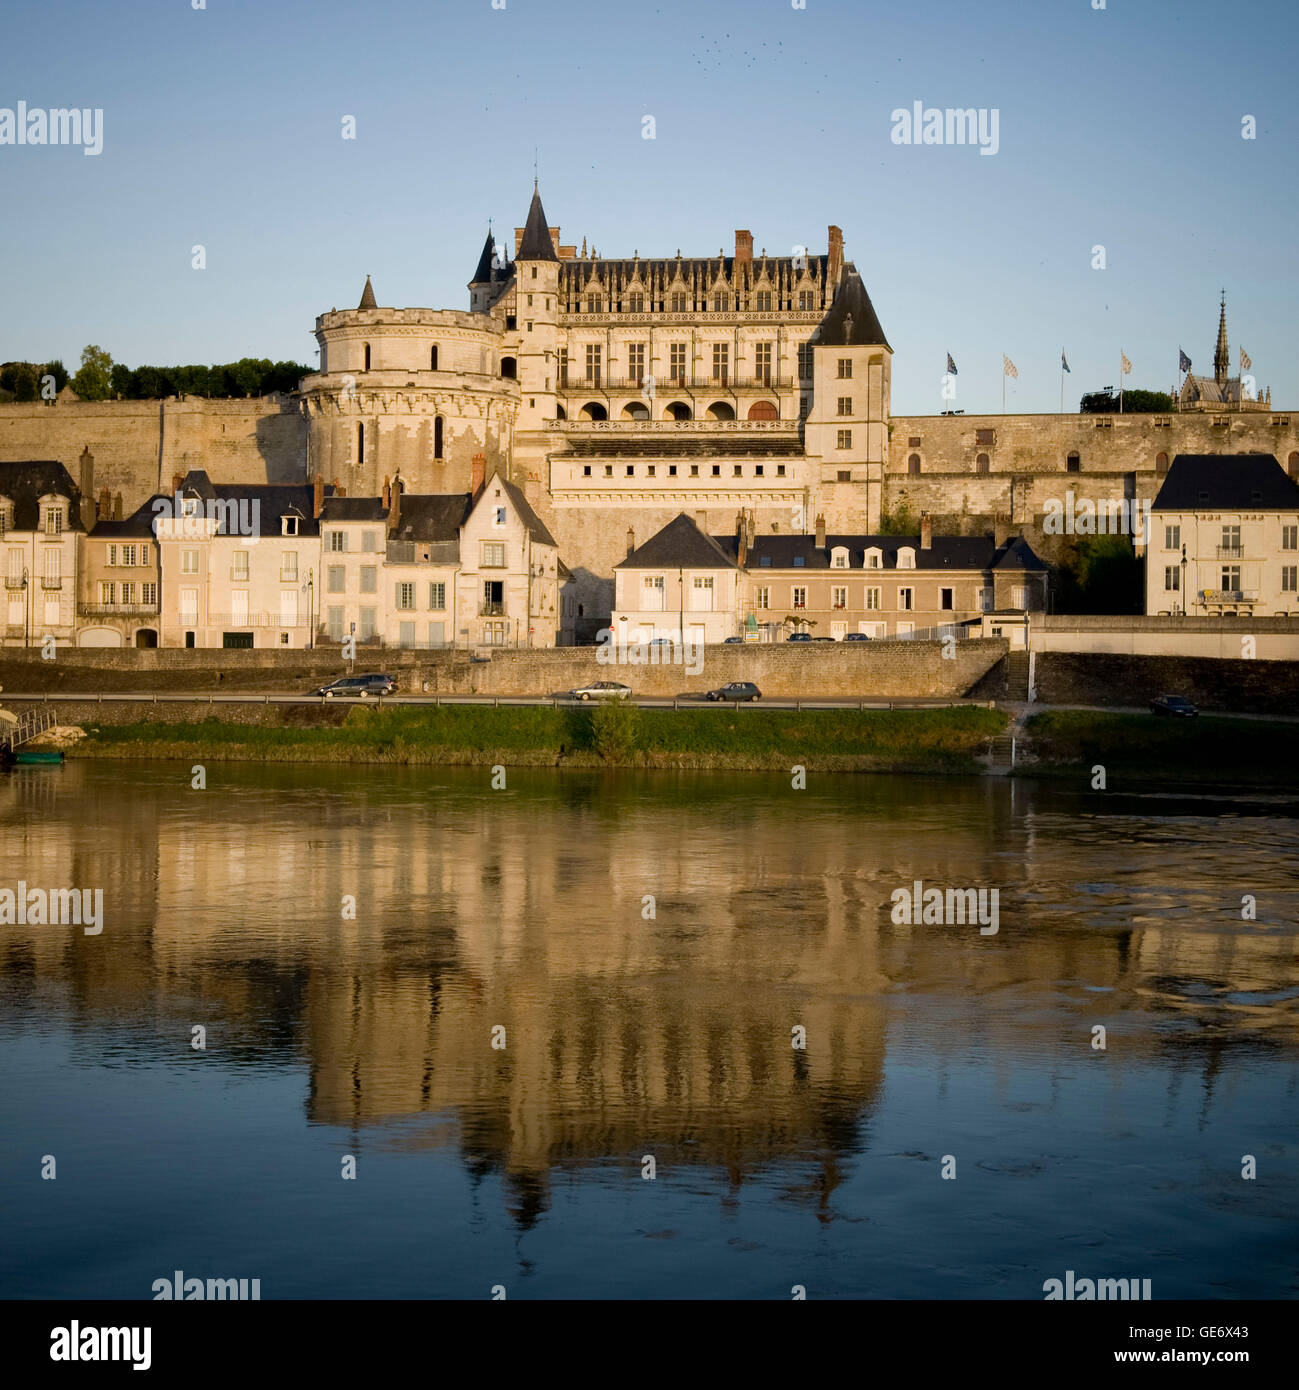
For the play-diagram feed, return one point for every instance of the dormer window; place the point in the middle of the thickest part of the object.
(289, 526)
(764, 561)
(874, 559)
(906, 558)
(53, 520)
(189, 506)
(6, 515)
(800, 561)
(839, 557)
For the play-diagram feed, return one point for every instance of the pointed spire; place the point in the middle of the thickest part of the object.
(483, 275)
(1221, 359)
(367, 297)
(536, 244)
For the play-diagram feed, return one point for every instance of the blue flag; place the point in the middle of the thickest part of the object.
(1064, 362)
(1183, 361)
(951, 366)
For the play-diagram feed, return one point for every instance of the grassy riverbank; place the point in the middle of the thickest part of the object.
(1213, 749)
(939, 740)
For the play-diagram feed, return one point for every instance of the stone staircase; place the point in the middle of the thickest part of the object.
(1017, 676)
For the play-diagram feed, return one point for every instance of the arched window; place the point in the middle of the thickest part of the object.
(1073, 464)
(509, 367)
(593, 410)
(981, 464)
(635, 410)
(367, 357)
(721, 410)
(433, 358)
(437, 434)
(360, 438)
(913, 463)
(560, 413)
(1161, 463)
(764, 410)
(678, 410)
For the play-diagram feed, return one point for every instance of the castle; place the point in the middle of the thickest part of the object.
(619, 393)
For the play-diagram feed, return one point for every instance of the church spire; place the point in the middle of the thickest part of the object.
(367, 297)
(1221, 359)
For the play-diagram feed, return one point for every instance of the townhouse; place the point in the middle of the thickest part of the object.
(41, 524)
(1224, 538)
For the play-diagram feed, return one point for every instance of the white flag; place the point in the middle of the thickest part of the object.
(1245, 364)
(1008, 368)
(1127, 366)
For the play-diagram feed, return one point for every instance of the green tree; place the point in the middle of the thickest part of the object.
(58, 371)
(121, 381)
(1137, 401)
(615, 729)
(902, 522)
(93, 382)
(1099, 574)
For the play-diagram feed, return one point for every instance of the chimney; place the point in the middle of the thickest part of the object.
(834, 268)
(387, 494)
(820, 531)
(176, 481)
(743, 248)
(105, 509)
(926, 532)
(317, 496)
(394, 512)
(741, 539)
(339, 491)
(479, 476)
(1001, 530)
(87, 489)
(631, 540)
(117, 506)
(753, 528)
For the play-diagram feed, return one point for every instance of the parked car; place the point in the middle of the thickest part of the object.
(856, 637)
(663, 642)
(799, 637)
(603, 690)
(822, 639)
(1177, 706)
(357, 687)
(732, 641)
(735, 690)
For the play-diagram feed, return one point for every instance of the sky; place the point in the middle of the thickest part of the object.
(222, 127)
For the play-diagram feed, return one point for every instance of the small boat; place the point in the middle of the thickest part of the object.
(37, 755)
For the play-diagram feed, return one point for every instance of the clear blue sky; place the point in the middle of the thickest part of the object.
(1119, 127)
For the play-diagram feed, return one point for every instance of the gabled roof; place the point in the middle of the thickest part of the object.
(682, 545)
(851, 319)
(1233, 481)
(25, 483)
(431, 516)
(338, 509)
(274, 500)
(536, 527)
(138, 525)
(536, 244)
(1017, 554)
(367, 296)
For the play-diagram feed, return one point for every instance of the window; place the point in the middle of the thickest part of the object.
(905, 597)
(762, 597)
(594, 304)
(107, 592)
(798, 596)
(437, 595)
(367, 357)
(1073, 464)
(289, 566)
(593, 351)
(721, 362)
(845, 369)
(1172, 579)
(498, 516)
(1172, 537)
(608, 470)
(1290, 538)
(189, 561)
(839, 559)
(913, 463)
(677, 358)
(981, 464)
(985, 438)
(1289, 576)
(721, 303)
(1230, 542)
(872, 598)
(635, 303)
(405, 597)
(336, 579)
(433, 359)
(805, 360)
(631, 470)
(149, 594)
(694, 470)
(110, 553)
(53, 521)
(701, 594)
(128, 555)
(844, 405)
(839, 597)
(128, 593)
(947, 599)
(873, 560)
(493, 555)
(636, 361)
(762, 301)
(762, 363)
(368, 542)
(338, 541)
(1230, 578)
(806, 300)
(780, 470)
(437, 436)
(288, 526)
(679, 305)
(369, 579)
(906, 558)
(737, 471)
(843, 439)
(239, 565)
(563, 366)
(360, 443)
(1161, 463)
(844, 475)
(651, 599)
(913, 441)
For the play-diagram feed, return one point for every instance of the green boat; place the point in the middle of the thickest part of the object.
(37, 755)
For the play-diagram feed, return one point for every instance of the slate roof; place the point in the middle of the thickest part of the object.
(536, 244)
(536, 527)
(136, 526)
(1231, 481)
(431, 516)
(26, 482)
(483, 274)
(680, 544)
(353, 509)
(583, 269)
(367, 297)
(851, 319)
(274, 500)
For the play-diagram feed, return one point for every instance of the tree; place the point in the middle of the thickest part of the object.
(1137, 401)
(121, 381)
(58, 371)
(901, 522)
(93, 382)
(1099, 574)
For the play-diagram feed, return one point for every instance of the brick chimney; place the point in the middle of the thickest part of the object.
(394, 512)
(631, 540)
(317, 496)
(387, 494)
(117, 506)
(926, 531)
(176, 481)
(87, 489)
(478, 477)
(105, 509)
(820, 531)
(743, 248)
(834, 268)
(741, 539)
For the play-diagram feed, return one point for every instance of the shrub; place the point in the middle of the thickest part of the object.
(615, 729)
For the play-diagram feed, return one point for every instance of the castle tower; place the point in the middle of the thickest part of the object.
(486, 285)
(1221, 360)
(536, 314)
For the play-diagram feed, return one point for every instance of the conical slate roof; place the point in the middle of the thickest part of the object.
(367, 297)
(536, 244)
(483, 275)
(851, 319)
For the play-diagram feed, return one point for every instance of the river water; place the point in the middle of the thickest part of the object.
(643, 949)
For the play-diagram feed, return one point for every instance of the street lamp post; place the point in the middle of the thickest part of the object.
(27, 610)
(309, 588)
(1183, 579)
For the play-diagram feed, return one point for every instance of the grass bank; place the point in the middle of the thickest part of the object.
(939, 740)
(1213, 749)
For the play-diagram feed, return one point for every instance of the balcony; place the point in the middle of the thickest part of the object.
(238, 576)
(49, 583)
(1230, 552)
(491, 610)
(14, 581)
(1229, 595)
(676, 382)
(115, 610)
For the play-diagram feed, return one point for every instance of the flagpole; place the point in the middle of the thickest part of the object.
(1120, 381)
(1062, 381)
